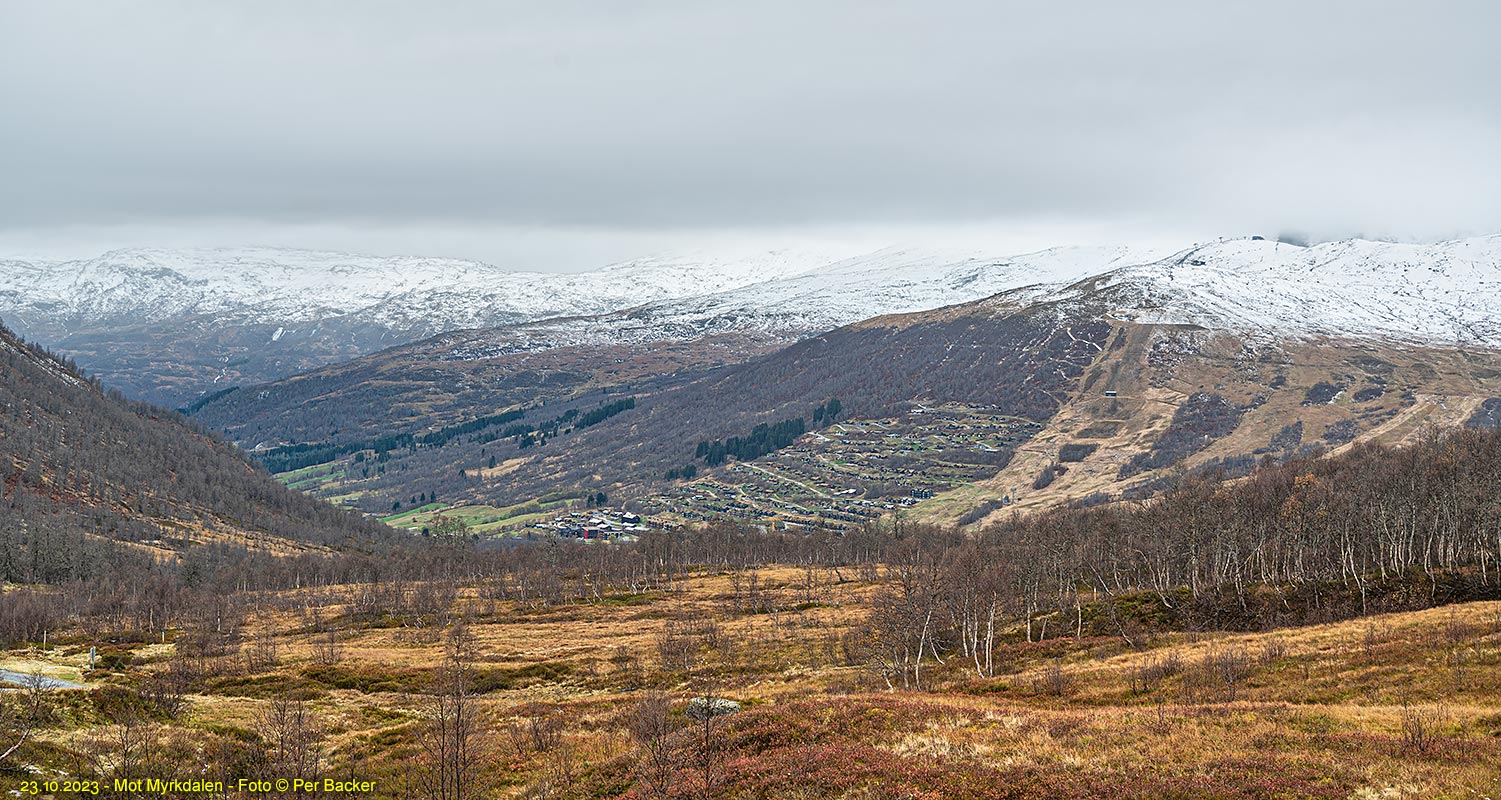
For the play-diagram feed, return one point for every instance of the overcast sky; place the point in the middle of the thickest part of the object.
(558, 135)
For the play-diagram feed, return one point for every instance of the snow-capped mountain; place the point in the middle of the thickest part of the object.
(1440, 294)
(890, 281)
(1446, 294)
(452, 375)
(292, 287)
(170, 326)
(1325, 346)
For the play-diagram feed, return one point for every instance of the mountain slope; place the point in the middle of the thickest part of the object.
(408, 293)
(80, 467)
(1170, 401)
(168, 325)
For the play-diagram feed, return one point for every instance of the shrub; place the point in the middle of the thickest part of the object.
(499, 679)
(1053, 681)
(1322, 393)
(1423, 727)
(1076, 451)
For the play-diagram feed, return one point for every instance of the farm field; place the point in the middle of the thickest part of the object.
(478, 519)
(311, 477)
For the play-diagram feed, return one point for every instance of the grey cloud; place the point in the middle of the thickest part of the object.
(1327, 117)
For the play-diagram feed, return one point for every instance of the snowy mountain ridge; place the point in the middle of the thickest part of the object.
(889, 281)
(291, 287)
(1440, 294)
(1450, 291)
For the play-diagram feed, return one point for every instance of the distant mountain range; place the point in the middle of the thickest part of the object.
(890, 281)
(172, 326)
(451, 375)
(168, 326)
(1448, 293)
(1221, 353)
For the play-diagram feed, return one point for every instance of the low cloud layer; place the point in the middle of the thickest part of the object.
(547, 132)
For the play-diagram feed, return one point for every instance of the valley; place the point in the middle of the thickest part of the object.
(1014, 364)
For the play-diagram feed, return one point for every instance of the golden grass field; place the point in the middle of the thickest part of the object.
(1395, 706)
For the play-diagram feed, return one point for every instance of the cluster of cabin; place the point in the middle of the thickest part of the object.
(854, 471)
(598, 523)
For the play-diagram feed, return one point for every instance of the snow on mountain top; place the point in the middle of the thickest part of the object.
(278, 286)
(1445, 293)
(899, 280)
(888, 281)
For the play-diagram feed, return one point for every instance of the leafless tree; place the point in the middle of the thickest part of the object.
(1227, 668)
(327, 649)
(651, 726)
(452, 737)
(534, 729)
(1422, 726)
(167, 688)
(23, 712)
(264, 652)
(708, 712)
(293, 739)
(903, 625)
(126, 743)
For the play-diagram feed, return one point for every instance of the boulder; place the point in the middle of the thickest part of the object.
(702, 708)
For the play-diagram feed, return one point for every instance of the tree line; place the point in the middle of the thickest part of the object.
(763, 438)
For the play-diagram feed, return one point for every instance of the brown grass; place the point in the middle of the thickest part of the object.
(1395, 706)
